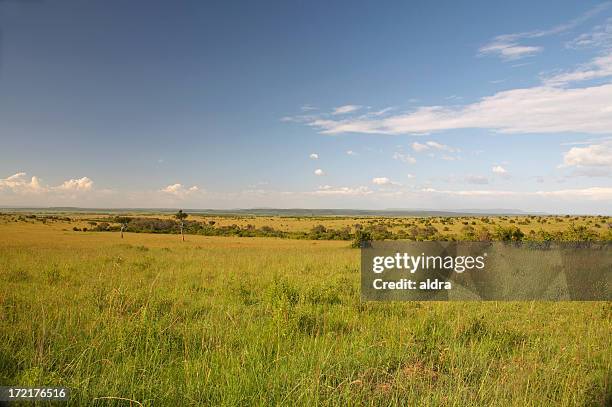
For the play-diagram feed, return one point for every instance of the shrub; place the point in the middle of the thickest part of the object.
(361, 237)
(510, 233)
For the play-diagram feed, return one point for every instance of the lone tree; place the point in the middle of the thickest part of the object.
(180, 217)
(123, 221)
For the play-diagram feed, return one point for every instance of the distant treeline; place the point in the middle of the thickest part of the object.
(356, 233)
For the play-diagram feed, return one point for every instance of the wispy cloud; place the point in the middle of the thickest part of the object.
(328, 190)
(433, 145)
(509, 47)
(593, 193)
(382, 112)
(346, 109)
(453, 97)
(599, 37)
(599, 67)
(314, 156)
(551, 107)
(539, 109)
(588, 141)
(406, 158)
(509, 50)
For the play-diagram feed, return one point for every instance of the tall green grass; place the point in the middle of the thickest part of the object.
(278, 324)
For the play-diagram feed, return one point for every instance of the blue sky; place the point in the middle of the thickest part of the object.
(442, 105)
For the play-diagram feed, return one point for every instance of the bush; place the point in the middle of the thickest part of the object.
(510, 233)
(361, 237)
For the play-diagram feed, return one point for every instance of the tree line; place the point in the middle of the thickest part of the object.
(356, 233)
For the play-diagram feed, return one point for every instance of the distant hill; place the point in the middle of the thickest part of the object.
(285, 212)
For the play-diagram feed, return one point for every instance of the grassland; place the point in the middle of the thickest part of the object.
(264, 321)
(454, 224)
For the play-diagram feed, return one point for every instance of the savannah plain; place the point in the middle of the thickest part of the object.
(223, 319)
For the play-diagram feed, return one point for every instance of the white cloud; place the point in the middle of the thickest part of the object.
(303, 118)
(498, 169)
(20, 184)
(404, 158)
(599, 37)
(314, 156)
(173, 189)
(551, 107)
(477, 193)
(509, 48)
(443, 147)
(351, 152)
(319, 172)
(19, 189)
(453, 97)
(346, 191)
(410, 176)
(420, 147)
(593, 193)
(594, 160)
(600, 67)
(382, 111)
(540, 109)
(384, 181)
(346, 109)
(307, 108)
(81, 184)
(179, 190)
(588, 141)
(594, 155)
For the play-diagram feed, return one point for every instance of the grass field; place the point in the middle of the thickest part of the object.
(264, 321)
(304, 223)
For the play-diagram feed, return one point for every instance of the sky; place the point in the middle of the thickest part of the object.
(307, 104)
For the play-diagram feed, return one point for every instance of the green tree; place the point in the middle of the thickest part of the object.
(180, 216)
(361, 236)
